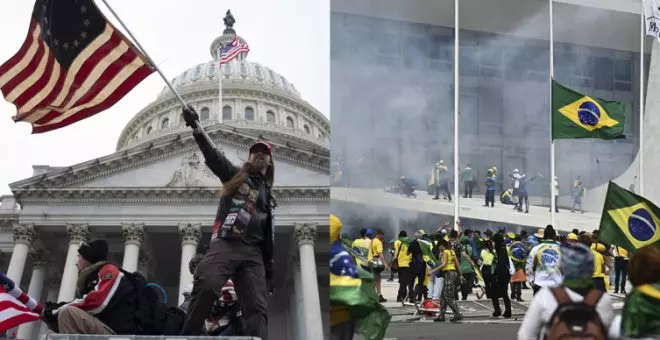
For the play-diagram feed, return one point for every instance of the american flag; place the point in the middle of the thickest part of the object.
(16, 307)
(232, 50)
(72, 65)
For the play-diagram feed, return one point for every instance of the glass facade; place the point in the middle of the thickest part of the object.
(392, 103)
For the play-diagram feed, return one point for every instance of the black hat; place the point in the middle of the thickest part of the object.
(95, 251)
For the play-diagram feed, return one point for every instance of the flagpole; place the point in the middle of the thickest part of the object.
(553, 207)
(642, 26)
(220, 74)
(456, 114)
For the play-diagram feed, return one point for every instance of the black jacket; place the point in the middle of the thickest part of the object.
(261, 217)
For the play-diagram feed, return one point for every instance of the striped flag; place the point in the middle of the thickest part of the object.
(232, 50)
(72, 65)
(16, 307)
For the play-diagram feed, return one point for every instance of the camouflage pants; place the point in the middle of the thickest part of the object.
(448, 295)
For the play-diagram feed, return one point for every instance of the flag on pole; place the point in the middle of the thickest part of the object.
(628, 220)
(73, 64)
(652, 17)
(16, 307)
(232, 50)
(575, 115)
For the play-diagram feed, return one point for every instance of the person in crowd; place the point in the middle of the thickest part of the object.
(519, 254)
(403, 258)
(451, 277)
(507, 198)
(502, 269)
(105, 301)
(487, 257)
(542, 267)
(460, 251)
(361, 246)
(467, 176)
(577, 194)
(572, 238)
(417, 266)
(435, 279)
(377, 262)
(490, 188)
(442, 181)
(408, 186)
(598, 269)
(241, 238)
(516, 177)
(576, 265)
(467, 265)
(394, 265)
(554, 189)
(620, 269)
(641, 311)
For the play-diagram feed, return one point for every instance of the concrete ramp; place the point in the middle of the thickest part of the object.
(469, 208)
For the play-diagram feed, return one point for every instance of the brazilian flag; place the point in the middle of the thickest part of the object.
(575, 115)
(630, 221)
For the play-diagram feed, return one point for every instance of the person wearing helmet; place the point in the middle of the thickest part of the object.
(241, 244)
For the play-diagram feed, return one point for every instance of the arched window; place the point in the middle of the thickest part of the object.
(226, 112)
(149, 130)
(249, 113)
(165, 123)
(206, 113)
(307, 130)
(289, 122)
(270, 116)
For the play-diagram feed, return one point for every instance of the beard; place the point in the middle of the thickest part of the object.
(258, 164)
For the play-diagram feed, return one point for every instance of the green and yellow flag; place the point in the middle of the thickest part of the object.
(630, 221)
(575, 115)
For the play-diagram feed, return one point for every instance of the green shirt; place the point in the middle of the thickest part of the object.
(641, 312)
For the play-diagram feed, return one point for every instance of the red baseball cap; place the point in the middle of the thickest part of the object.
(262, 143)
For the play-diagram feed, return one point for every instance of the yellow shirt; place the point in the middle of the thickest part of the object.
(403, 259)
(451, 260)
(622, 252)
(487, 257)
(376, 249)
(363, 244)
(598, 264)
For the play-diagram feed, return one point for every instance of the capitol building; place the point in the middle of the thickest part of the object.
(154, 200)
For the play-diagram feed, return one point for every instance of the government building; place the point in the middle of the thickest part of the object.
(154, 200)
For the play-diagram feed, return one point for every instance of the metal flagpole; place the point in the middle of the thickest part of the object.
(220, 75)
(642, 25)
(456, 115)
(552, 142)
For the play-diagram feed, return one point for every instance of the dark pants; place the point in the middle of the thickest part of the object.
(466, 286)
(406, 283)
(468, 188)
(500, 290)
(620, 274)
(486, 272)
(556, 204)
(418, 274)
(516, 290)
(523, 198)
(244, 265)
(342, 331)
(599, 283)
(536, 288)
(490, 197)
(443, 187)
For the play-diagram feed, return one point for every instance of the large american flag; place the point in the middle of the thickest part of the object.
(73, 65)
(16, 307)
(232, 50)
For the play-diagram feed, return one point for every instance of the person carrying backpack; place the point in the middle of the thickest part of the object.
(573, 310)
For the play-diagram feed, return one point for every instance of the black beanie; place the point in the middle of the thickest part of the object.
(95, 251)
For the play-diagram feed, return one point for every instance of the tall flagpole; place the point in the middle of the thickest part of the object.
(220, 75)
(456, 115)
(642, 27)
(553, 207)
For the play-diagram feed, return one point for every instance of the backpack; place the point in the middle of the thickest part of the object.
(576, 320)
(153, 316)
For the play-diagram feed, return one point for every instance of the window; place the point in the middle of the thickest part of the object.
(604, 74)
(307, 130)
(289, 122)
(149, 130)
(270, 116)
(226, 112)
(206, 113)
(249, 113)
(165, 123)
(442, 48)
(623, 70)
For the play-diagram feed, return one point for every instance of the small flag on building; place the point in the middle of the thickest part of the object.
(629, 220)
(73, 65)
(652, 17)
(232, 50)
(575, 115)
(16, 307)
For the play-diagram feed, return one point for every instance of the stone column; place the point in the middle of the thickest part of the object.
(26, 330)
(24, 234)
(190, 236)
(133, 234)
(77, 235)
(53, 290)
(298, 298)
(305, 237)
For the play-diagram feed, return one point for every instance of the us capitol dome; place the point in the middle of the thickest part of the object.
(254, 97)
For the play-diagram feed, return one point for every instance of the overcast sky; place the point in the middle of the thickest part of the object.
(290, 36)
